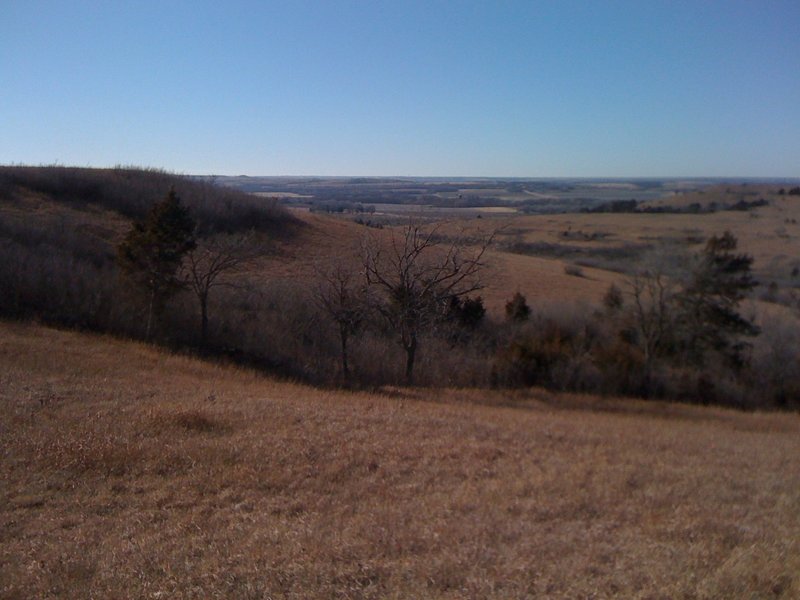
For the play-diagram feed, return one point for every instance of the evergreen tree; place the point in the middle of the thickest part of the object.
(467, 312)
(709, 302)
(152, 252)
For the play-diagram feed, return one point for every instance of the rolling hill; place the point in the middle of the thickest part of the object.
(129, 471)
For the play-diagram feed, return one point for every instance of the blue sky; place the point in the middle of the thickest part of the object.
(528, 89)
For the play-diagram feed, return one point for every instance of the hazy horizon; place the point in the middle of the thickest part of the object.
(512, 177)
(597, 178)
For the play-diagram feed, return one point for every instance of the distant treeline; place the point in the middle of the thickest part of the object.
(634, 206)
(342, 207)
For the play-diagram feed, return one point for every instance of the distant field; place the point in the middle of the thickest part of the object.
(608, 246)
(269, 194)
(534, 195)
(531, 253)
(128, 472)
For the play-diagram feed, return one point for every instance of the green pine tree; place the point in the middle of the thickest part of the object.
(152, 252)
(709, 304)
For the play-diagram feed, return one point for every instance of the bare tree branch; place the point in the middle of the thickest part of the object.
(417, 277)
(341, 295)
(213, 263)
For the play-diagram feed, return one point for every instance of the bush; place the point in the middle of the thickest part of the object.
(517, 308)
(573, 270)
(537, 355)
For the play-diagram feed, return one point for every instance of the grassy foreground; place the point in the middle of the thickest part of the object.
(129, 472)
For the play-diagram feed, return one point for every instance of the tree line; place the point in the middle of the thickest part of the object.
(404, 308)
(416, 287)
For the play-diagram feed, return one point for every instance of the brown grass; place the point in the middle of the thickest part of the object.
(542, 280)
(128, 472)
(771, 234)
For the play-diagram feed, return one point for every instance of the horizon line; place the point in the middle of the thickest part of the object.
(56, 164)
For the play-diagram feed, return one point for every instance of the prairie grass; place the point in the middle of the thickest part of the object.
(129, 472)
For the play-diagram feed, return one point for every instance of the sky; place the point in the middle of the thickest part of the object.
(498, 88)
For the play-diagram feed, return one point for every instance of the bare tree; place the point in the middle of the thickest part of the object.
(213, 263)
(645, 309)
(342, 296)
(416, 276)
(652, 293)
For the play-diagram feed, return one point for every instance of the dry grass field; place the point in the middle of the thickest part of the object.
(127, 472)
(604, 245)
(596, 247)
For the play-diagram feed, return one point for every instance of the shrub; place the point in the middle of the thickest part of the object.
(573, 270)
(517, 308)
(532, 357)
(468, 312)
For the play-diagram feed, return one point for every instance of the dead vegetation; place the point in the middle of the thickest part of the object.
(130, 472)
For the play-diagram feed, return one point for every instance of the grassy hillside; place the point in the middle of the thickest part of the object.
(130, 472)
(129, 193)
(60, 228)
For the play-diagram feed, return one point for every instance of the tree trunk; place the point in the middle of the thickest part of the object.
(150, 314)
(411, 351)
(345, 370)
(203, 319)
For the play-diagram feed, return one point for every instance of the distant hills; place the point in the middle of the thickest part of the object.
(526, 195)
